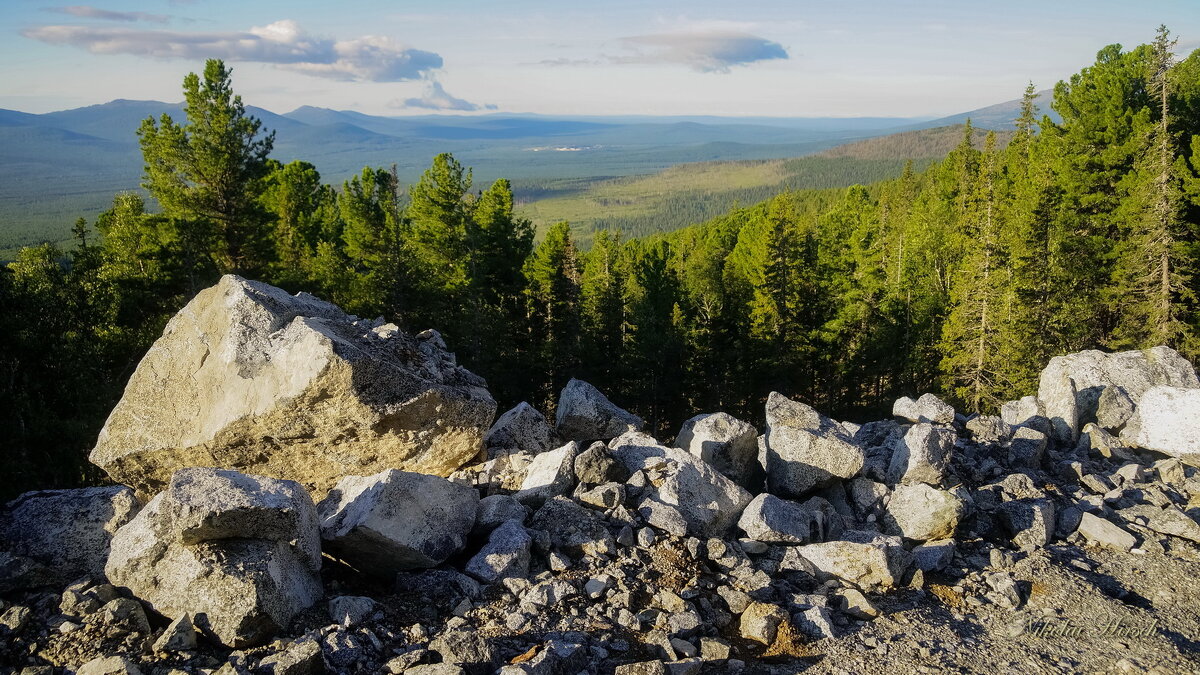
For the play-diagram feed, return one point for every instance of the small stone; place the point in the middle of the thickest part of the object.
(1099, 531)
(109, 665)
(302, 657)
(645, 537)
(857, 605)
(760, 622)
(351, 610)
(180, 636)
(713, 649)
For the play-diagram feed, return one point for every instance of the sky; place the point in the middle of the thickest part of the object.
(788, 58)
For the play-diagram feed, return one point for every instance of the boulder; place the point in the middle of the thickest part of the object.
(585, 414)
(1027, 411)
(397, 520)
(921, 513)
(760, 622)
(573, 528)
(805, 449)
(1070, 387)
(709, 502)
(251, 378)
(727, 443)
(506, 554)
(1100, 532)
(866, 559)
(596, 465)
(62, 534)
(988, 429)
(768, 518)
(933, 556)
(1169, 520)
(496, 510)
(922, 455)
(1167, 420)
(1029, 522)
(240, 554)
(549, 474)
(1027, 448)
(523, 428)
(928, 409)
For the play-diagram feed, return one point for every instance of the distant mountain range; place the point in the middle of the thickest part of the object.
(56, 167)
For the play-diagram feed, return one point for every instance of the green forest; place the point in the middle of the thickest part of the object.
(962, 278)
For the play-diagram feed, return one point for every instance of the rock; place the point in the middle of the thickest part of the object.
(606, 496)
(1028, 521)
(496, 510)
(865, 559)
(1113, 409)
(506, 554)
(854, 603)
(770, 519)
(1169, 520)
(180, 636)
(550, 474)
(1168, 421)
(1099, 531)
(1028, 412)
(928, 409)
(351, 610)
(109, 665)
(1027, 448)
(397, 520)
(989, 429)
(248, 377)
(866, 498)
(62, 534)
(435, 669)
(922, 455)
(933, 556)
(665, 517)
(302, 657)
(585, 414)
(15, 618)
(239, 553)
(805, 449)
(727, 443)
(596, 465)
(467, 649)
(709, 502)
(760, 622)
(921, 513)
(125, 614)
(642, 668)
(1070, 386)
(814, 622)
(521, 429)
(573, 528)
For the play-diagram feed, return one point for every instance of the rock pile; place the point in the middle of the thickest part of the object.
(325, 495)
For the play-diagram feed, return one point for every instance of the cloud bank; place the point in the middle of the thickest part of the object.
(712, 51)
(436, 98)
(283, 43)
(88, 12)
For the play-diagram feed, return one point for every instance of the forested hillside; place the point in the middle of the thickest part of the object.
(962, 278)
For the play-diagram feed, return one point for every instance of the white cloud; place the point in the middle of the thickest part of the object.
(89, 12)
(285, 43)
(714, 51)
(436, 98)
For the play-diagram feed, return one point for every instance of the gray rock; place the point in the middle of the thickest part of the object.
(922, 455)
(125, 614)
(1070, 386)
(523, 428)
(244, 584)
(16, 618)
(1100, 532)
(550, 474)
(855, 604)
(989, 429)
(573, 528)
(1168, 421)
(496, 510)
(805, 449)
(1169, 520)
(665, 517)
(302, 657)
(928, 409)
(865, 559)
(62, 535)
(815, 623)
(180, 636)
(934, 556)
(920, 512)
(467, 649)
(397, 520)
(768, 518)
(351, 610)
(1027, 412)
(709, 502)
(585, 414)
(642, 668)
(606, 496)
(596, 465)
(506, 554)
(867, 498)
(1027, 448)
(727, 443)
(251, 378)
(760, 622)
(109, 665)
(1029, 521)
(1113, 409)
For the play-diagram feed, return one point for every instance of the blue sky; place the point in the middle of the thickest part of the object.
(795, 58)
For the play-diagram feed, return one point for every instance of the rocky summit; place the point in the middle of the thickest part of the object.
(305, 492)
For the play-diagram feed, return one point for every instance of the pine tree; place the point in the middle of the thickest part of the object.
(552, 297)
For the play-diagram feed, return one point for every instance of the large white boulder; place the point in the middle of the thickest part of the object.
(1071, 386)
(727, 443)
(240, 554)
(806, 450)
(64, 533)
(922, 513)
(586, 414)
(1167, 420)
(865, 559)
(922, 455)
(248, 377)
(397, 520)
(709, 502)
(768, 518)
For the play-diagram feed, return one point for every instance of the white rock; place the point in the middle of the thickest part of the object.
(865, 559)
(929, 409)
(1167, 420)
(585, 414)
(397, 520)
(921, 513)
(1103, 533)
(805, 449)
(922, 455)
(523, 428)
(768, 518)
(1027, 411)
(550, 474)
(506, 554)
(727, 443)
